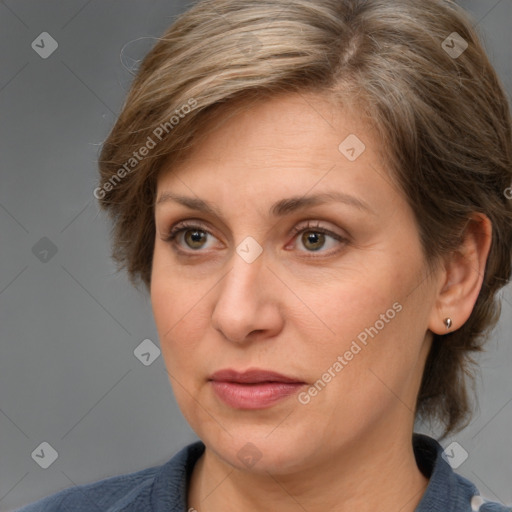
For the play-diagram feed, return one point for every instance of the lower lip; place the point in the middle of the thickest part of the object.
(254, 396)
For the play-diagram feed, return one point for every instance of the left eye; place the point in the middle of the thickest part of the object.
(314, 237)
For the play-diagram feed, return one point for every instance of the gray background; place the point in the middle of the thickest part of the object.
(69, 325)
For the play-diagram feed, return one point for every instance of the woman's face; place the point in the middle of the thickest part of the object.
(332, 292)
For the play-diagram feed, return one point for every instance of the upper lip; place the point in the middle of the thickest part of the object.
(251, 376)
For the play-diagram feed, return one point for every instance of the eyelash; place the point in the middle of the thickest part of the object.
(186, 226)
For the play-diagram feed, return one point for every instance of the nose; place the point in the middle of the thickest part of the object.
(248, 302)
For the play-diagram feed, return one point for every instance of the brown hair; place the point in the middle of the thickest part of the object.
(439, 107)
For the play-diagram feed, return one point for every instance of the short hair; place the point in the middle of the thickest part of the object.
(419, 74)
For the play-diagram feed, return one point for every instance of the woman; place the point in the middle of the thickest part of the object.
(314, 194)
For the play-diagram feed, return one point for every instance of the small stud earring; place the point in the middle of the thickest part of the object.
(448, 323)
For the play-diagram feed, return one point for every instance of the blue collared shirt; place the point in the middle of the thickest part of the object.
(164, 488)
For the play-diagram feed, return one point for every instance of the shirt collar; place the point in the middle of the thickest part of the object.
(446, 490)
(169, 493)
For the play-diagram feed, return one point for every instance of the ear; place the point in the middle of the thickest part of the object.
(462, 276)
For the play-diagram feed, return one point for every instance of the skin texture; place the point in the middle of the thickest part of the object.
(295, 309)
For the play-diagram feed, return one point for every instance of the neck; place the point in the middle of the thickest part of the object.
(379, 474)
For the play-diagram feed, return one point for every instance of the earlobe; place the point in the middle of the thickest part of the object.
(462, 277)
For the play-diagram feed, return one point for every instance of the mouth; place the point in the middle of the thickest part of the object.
(253, 376)
(253, 389)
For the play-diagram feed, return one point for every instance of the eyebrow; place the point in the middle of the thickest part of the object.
(279, 209)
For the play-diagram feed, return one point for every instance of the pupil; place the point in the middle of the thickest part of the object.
(196, 236)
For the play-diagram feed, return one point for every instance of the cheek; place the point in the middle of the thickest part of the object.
(344, 307)
(370, 319)
(178, 319)
(171, 296)
(379, 335)
(180, 331)
(182, 324)
(176, 311)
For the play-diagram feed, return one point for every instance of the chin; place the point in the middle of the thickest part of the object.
(260, 450)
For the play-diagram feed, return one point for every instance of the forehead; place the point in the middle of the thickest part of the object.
(298, 131)
(291, 146)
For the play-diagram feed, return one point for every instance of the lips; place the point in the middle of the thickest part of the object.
(253, 389)
(254, 376)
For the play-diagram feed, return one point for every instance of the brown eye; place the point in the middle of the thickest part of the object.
(184, 235)
(194, 238)
(313, 240)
